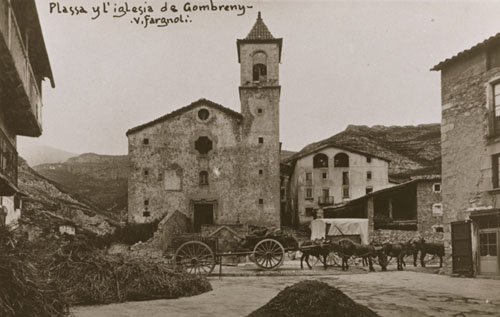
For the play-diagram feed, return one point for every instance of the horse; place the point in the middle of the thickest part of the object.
(349, 248)
(429, 248)
(321, 249)
(398, 251)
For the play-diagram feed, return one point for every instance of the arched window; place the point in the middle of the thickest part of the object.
(203, 178)
(341, 160)
(320, 160)
(259, 72)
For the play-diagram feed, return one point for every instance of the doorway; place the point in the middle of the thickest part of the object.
(489, 234)
(203, 215)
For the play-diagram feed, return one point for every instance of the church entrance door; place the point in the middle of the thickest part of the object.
(203, 215)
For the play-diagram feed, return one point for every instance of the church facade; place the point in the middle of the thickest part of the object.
(215, 165)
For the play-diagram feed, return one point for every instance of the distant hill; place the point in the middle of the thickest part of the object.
(47, 204)
(413, 150)
(99, 179)
(42, 154)
(284, 154)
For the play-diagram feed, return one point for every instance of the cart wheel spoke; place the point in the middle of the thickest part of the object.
(196, 257)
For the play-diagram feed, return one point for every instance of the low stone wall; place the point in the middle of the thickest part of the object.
(173, 224)
(393, 236)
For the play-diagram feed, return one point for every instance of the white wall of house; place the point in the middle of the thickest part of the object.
(331, 178)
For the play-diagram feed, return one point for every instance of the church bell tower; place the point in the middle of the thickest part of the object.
(259, 55)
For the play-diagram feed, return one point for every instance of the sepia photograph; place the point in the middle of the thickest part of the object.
(258, 158)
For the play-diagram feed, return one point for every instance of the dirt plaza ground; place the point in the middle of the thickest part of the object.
(408, 293)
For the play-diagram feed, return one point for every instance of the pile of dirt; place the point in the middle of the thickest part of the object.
(312, 298)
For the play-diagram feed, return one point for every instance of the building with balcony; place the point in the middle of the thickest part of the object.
(24, 64)
(327, 175)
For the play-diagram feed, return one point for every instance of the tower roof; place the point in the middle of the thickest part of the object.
(259, 31)
(260, 34)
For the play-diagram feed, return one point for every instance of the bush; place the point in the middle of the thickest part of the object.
(23, 289)
(130, 234)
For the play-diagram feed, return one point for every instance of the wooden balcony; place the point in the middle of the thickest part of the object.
(325, 200)
(8, 166)
(23, 102)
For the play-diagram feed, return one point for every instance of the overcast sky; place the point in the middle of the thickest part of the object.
(363, 63)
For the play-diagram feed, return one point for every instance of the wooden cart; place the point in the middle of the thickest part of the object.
(199, 255)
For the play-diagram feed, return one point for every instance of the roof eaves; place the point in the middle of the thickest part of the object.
(179, 111)
(300, 155)
(467, 52)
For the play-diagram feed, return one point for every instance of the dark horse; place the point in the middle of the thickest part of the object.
(349, 248)
(321, 249)
(429, 248)
(398, 251)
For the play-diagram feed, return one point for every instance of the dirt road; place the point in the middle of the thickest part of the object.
(388, 293)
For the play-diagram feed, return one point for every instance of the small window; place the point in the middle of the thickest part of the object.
(309, 176)
(320, 160)
(261, 140)
(341, 160)
(146, 214)
(259, 110)
(261, 172)
(324, 175)
(17, 202)
(203, 145)
(437, 228)
(436, 188)
(310, 212)
(146, 202)
(261, 201)
(146, 172)
(369, 190)
(345, 192)
(368, 159)
(368, 175)
(203, 114)
(437, 209)
(203, 178)
(145, 141)
(309, 193)
(160, 176)
(345, 178)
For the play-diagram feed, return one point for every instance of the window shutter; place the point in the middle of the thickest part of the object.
(494, 170)
(491, 121)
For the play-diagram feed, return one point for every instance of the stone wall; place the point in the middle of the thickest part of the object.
(401, 236)
(173, 224)
(466, 147)
(426, 198)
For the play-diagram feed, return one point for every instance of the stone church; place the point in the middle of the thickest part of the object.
(214, 165)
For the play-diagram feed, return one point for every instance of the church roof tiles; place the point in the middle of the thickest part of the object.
(259, 31)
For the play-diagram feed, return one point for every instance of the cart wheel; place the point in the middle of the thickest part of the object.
(269, 254)
(196, 257)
